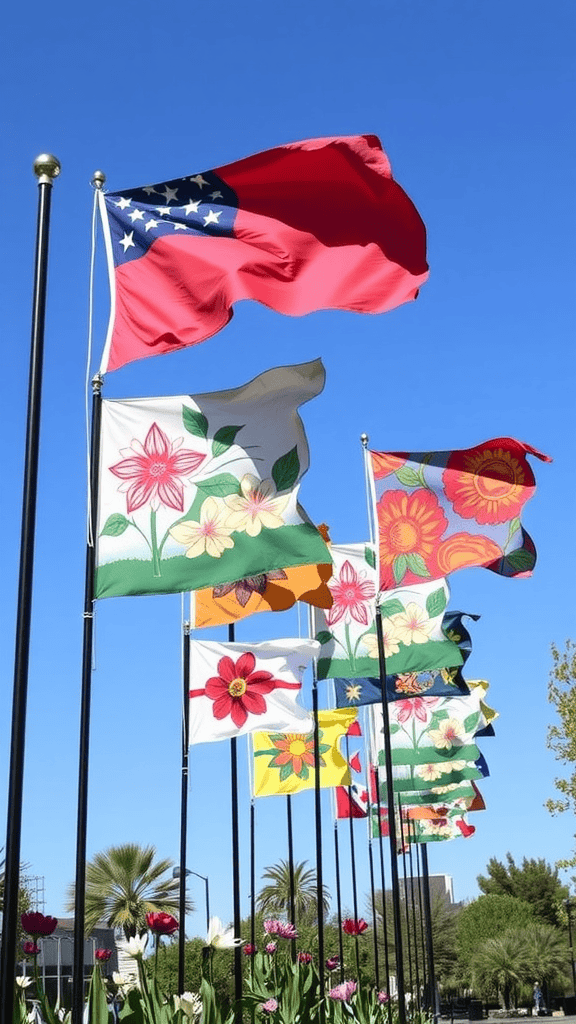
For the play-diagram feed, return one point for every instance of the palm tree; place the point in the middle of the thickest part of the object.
(123, 884)
(545, 954)
(499, 965)
(274, 898)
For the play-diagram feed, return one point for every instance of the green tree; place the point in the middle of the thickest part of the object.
(499, 966)
(123, 884)
(274, 897)
(562, 737)
(535, 882)
(546, 955)
(487, 917)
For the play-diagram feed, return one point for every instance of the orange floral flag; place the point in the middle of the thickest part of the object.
(274, 591)
(441, 511)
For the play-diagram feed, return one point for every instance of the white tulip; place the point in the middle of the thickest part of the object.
(135, 946)
(220, 938)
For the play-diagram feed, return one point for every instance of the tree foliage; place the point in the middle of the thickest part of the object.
(535, 882)
(562, 735)
(123, 884)
(274, 897)
(487, 918)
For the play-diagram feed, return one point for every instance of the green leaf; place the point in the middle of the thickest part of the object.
(394, 727)
(407, 476)
(521, 560)
(437, 717)
(436, 602)
(416, 564)
(471, 721)
(324, 637)
(513, 528)
(286, 470)
(399, 567)
(304, 772)
(224, 438)
(392, 607)
(195, 421)
(219, 486)
(286, 771)
(115, 525)
(370, 556)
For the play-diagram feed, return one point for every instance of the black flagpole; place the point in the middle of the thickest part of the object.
(318, 815)
(184, 803)
(84, 749)
(374, 916)
(338, 903)
(291, 871)
(235, 858)
(433, 1005)
(413, 901)
(353, 863)
(252, 878)
(391, 814)
(391, 826)
(46, 168)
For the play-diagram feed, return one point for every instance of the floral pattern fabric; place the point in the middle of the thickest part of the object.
(440, 682)
(437, 512)
(414, 639)
(202, 491)
(284, 763)
(238, 688)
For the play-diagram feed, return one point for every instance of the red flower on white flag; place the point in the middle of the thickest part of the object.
(237, 690)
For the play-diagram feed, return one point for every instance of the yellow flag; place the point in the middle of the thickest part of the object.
(284, 761)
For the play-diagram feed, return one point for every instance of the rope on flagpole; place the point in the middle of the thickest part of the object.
(97, 183)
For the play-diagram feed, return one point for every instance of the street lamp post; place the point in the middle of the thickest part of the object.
(176, 874)
(567, 905)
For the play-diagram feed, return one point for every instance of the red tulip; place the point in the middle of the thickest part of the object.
(162, 924)
(352, 927)
(36, 923)
(103, 954)
(30, 948)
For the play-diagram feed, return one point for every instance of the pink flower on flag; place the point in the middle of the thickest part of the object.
(151, 471)
(415, 706)
(351, 591)
(237, 690)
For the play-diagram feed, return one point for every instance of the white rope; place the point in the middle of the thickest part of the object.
(89, 523)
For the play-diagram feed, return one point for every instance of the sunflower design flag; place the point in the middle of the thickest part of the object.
(200, 491)
(284, 762)
(238, 688)
(273, 591)
(441, 511)
(411, 622)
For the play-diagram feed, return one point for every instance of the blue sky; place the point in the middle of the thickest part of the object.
(472, 103)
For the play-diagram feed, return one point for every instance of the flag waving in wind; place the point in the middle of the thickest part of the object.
(237, 688)
(318, 224)
(441, 511)
(199, 491)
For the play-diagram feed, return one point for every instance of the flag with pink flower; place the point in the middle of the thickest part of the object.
(429, 728)
(414, 639)
(199, 491)
(237, 688)
(437, 512)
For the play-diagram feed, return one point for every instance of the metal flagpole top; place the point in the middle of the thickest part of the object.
(98, 179)
(46, 168)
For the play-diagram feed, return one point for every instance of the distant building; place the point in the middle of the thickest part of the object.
(56, 957)
(441, 888)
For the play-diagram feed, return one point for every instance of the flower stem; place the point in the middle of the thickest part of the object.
(154, 539)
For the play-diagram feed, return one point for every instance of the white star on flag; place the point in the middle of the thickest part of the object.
(199, 180)
(123, 203)
(128, 241)
(212, 217)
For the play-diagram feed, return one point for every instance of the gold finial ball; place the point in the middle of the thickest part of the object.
(46, 167)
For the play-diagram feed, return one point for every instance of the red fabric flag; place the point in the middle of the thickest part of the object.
(318, 224)
(354, 763)
(351, 801)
